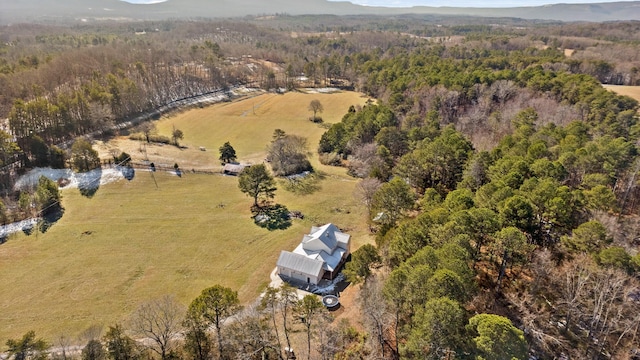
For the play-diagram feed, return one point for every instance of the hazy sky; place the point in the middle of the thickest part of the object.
(144, 1)
(454, 3)
(470, 3)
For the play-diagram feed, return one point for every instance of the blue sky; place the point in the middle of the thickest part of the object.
(469, 3)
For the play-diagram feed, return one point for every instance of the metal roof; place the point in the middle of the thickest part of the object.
(233, 168)
(300, 263)
(325, 238)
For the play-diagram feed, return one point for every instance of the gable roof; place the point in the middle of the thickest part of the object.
(325, 244)
(300, 263)
(232, 168)
(325, 238)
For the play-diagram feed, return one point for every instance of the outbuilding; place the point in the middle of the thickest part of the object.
(233, 168)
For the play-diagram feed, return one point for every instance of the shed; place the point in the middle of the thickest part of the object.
(233, 168)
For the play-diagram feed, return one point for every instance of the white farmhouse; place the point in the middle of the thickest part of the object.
(320, 255)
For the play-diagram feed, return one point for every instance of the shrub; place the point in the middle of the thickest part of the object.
(615, 257)
(152, 138)
(83, 156)
(58, 157)
(333, 159)
(123, 159)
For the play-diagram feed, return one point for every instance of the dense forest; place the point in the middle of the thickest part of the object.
(500, 177)
(525, 176)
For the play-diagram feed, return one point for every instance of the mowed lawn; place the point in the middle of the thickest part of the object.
(133, 241)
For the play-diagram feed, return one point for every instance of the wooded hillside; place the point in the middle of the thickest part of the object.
(500, 177)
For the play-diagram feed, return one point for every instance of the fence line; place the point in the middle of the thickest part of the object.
(164, 167)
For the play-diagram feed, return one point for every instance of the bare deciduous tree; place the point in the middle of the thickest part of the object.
(600, 301)
(364, 159)
(576, 278)
(270, 304)
(535, 323)
(327, 337)
(607, 291)
(316, 107)
(250, 337)
(378, 318)
(101, 116)
(176, 135)
(503, 90)
(365, 190)
(309, 309)
(288, 154)
(147, 128)
(288, 299)
(630, 320)
(160, 321)
(114, 152)
(63, 343)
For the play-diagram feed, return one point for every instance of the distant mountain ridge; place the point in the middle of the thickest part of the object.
(51, 10)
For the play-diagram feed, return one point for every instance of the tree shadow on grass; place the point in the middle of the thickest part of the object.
(50, 219)
(127, 172)
(89, 182)
(28, 230)
(44, 223)
(272, 217)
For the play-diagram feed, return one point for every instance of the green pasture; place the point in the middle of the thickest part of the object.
(134, 241)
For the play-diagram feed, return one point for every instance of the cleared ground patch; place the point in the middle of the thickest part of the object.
(133, 241)
(630, 91)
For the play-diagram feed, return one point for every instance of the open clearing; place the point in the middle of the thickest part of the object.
(247, 124)
(133, 241)
(630, 91)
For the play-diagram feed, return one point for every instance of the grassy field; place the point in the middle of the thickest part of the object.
(248, 125)
(133, 241)
(631, 91)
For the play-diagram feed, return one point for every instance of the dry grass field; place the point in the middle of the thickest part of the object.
(134, 241)
(247, 124)
(631, 91)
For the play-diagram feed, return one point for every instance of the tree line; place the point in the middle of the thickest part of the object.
(529, 226)
(213, 326)
(118, 75)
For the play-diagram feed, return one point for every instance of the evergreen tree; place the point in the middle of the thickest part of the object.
(227, 153)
